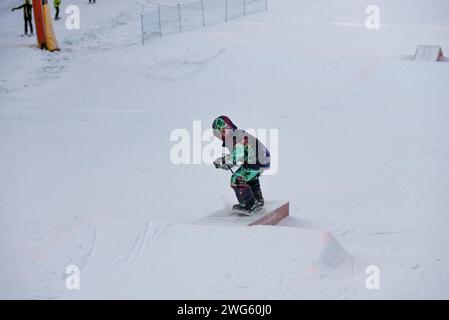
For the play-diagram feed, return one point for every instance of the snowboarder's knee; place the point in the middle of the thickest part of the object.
(236, 180)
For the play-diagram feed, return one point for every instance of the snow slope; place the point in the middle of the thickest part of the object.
(86, 176)
(143, 259)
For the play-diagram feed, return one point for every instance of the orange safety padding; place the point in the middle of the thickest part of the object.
(52, 44)
(40, 24)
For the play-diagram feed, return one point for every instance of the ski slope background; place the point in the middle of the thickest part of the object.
(86, 176)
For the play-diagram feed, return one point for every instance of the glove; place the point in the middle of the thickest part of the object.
(220, 164)
(225, 165)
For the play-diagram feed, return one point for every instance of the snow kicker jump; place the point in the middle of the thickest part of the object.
(429, 53)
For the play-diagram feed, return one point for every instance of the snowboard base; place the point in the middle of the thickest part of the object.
(271, 213)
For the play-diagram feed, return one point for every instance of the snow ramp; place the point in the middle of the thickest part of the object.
(429, 53)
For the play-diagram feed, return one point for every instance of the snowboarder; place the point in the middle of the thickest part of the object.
(253, 158)
(27, 15)
(56, 4)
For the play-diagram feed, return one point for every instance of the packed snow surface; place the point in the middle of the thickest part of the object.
(86, 177)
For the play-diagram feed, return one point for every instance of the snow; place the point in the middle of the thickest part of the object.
(86, 177)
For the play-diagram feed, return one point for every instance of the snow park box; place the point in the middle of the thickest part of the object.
(271, 214)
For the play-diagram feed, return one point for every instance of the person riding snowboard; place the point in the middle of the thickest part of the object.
(27, 15)
(253, 158)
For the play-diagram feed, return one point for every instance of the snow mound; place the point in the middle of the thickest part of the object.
(334, 261)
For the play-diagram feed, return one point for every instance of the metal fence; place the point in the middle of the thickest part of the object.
(189, 16)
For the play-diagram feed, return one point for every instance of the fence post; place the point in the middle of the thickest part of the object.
(179, 17)
(202, 11)
(141, 25)
(226, 10)
(244, 7)
(159, 17)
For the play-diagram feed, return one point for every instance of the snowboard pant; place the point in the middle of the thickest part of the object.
(28, 22)
(245, 182)
(57, 13)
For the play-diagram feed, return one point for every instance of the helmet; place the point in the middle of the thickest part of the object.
(223, 122)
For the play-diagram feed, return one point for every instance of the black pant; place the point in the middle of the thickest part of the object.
(255, 187)
(28, 22)
(57, 13)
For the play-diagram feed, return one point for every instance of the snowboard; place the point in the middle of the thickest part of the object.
(245, 212)
(270, 213)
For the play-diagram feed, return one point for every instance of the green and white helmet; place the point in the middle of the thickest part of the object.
(223, 122)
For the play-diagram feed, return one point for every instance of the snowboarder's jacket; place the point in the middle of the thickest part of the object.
(248, 150)
(27, 10)
(56, 3)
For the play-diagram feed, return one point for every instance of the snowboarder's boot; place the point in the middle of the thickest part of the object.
(255, 187)
(247, 203)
